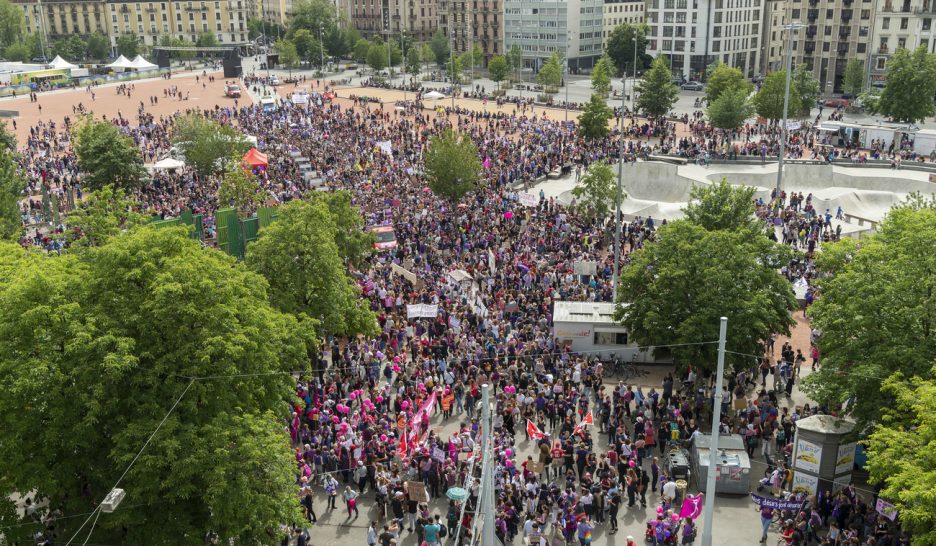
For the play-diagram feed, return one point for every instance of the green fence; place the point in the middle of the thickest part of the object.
(193, 221)
(235, 233)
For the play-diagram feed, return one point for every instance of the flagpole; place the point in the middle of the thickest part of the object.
(713, 450)
(487, 470)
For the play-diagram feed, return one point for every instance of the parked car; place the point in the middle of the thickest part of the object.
(232, 91)
(836, 103)
(274, 80)
(692, 86)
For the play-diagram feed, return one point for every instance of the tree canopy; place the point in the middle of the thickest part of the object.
(312, 15)
(595, 192)
(128, 45)
(207, 144)
(807, 89)
(723, 206)
(657, 92)
(593, 122)
(550, 74)
(723, 78)
(12, 185)
(107, 156)
(730, 110)
(355, 244)
(621, 47)
(497, 68)
(300, 258)
(440, 47)
(453, 167)
(910, 86)
(876, 312)
(768, 102)
(853, 82)
(102, 214)
(900, 453)
(97, 346)
(601, 76)
(11, 23)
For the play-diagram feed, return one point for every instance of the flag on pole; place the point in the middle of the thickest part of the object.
(534, 432)
(589, 419)
(402, 447)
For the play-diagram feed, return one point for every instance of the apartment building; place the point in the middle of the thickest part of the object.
(470, 23)
(896, 24)
(573, 28)
(834, 32)
(418, 18)
(227, 19)
(276, 11)
(695, 33)
(617, 12)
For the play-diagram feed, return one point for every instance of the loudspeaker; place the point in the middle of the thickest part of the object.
(232, 65)
(162, 58)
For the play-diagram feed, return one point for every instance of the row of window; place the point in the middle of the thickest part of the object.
(620, 20)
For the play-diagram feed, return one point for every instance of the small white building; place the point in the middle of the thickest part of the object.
(589, 328)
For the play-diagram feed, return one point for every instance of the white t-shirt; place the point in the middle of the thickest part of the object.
(669, 490)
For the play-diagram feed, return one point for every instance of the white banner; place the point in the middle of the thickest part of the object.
(527, 199)
(585, 268)
(793, 125)
(807, 456)
(804, 483)
(422, 310)
(492, 262)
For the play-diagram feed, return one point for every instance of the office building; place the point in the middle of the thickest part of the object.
(573, 28)
(695, 33)
(417, 18)
(469, 23)
(899, 23)
(617, 12)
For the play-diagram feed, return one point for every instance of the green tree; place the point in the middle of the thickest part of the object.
(657, 94)
(128, 45)
(596, 191)
(11, 23)
(239, 188)
(730, 109)
(102, 214)
(601, 76)
(351, 37)
(440, 47)
(550, 74)
(723, 206)
(675, 288)
(515, 58)
(413, 60)
(307, 46)
(336, 44)
(107, 156)
(206, 39)
(12, 185)
(854, 79)
(377, 56)
(299, 257)
(426, 55)
(722, 78)
(95, 351)
(876, 312)
(288, 56)
(312, 15)
(206, 144)
(807, 88)
(497, 68)
(17, 52)
(72, 47)
(453, 167)
(98, 46)
(911, 84)
(454, 69)
(621, 47)
(901, 451)
(593, 121)
(768, 102)
(361, 48)
(355, 244)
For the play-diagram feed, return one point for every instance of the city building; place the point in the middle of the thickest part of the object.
(617, 12)
(226, 19)
(899, 23)
(696, 33)
(834, 32)
(417, 18)
(573, 28)
(276, 11)
(474, 23)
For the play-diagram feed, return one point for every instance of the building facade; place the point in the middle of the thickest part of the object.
(834, 32)
(573, 29)
(896, 24)
(417, 18)
(695, 33)
(226, 19)
(469, 23)
(617, 12)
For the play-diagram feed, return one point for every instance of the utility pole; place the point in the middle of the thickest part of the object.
(617, 201)
(42, 35)
(403, 54)
(790, 28)
(452, 49)
(487, 469)
(322, 51)
(634, 85)
(567, 78)
(713, 451)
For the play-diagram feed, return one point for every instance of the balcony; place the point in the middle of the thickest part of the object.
(883, 50)
(812, 15)
(843, 49)
(844, 32)
(925, 10)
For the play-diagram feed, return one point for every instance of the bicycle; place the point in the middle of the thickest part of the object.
(629, 371)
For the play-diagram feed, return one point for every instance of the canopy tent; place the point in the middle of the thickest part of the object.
(433, 95)
(168, 163)
(120, 62)
(255, 159)
(61, 63)
(139, 63)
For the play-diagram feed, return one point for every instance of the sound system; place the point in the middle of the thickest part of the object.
(232, 65)
(162, 58)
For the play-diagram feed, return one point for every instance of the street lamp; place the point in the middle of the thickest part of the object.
(322, 51)
(567, 78)
(634, 86)
(790, 28)
(617, 195)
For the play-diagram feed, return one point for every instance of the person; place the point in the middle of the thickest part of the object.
(372, 534)
(613, 505)
(766, 514)
(331, 490)
(688, 531)
(350, 498)
(584, 532)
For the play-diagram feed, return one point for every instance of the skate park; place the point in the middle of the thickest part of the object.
(660, 189)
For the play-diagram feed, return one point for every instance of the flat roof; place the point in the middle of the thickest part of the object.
(584, 311)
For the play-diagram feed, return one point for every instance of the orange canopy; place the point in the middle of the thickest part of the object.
(255, 159)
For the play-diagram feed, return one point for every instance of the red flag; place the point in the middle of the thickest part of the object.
(533, 431)
(589, 419)
(402, 447)
(578, 430)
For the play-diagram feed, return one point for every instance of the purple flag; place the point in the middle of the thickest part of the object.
(691, 507)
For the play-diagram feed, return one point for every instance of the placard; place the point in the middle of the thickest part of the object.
(438, 454)
(804, 483)
(585, 268)
(417, 491)
(845, 458)
(886, 509)
(527, 199)
(535, 467)
(422, 310)
(807, 456)
(403, 272)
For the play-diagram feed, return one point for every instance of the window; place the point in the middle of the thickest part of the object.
(865, 14)
(901, 43)
(927, 23)
(828, 31)
(885, 23)
(904, 23)
(863, 32)
(881, 63)
(610, 338)
(825, 46)
(862, 47)
(830, 13)
(924, 43)
(796, 14)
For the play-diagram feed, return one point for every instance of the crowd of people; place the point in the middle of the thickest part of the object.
(361, 426)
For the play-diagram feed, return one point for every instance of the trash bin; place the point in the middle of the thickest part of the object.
(681, 486)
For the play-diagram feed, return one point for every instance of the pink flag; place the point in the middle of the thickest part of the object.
(487, 162)
(691, 507)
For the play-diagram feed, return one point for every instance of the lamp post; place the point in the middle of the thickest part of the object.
(617, 200)
(790, 28)
(567, 78)
(403, 54)
(322, 51)
(452, 54)
(634, 86)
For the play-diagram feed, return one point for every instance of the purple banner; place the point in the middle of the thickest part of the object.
(886, 509)
(691, 507)
(776, 504)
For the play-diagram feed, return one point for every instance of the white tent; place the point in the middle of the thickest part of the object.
(120, 62)
(433, 95)
(168, 163)
(59, 62)
(139, 63)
